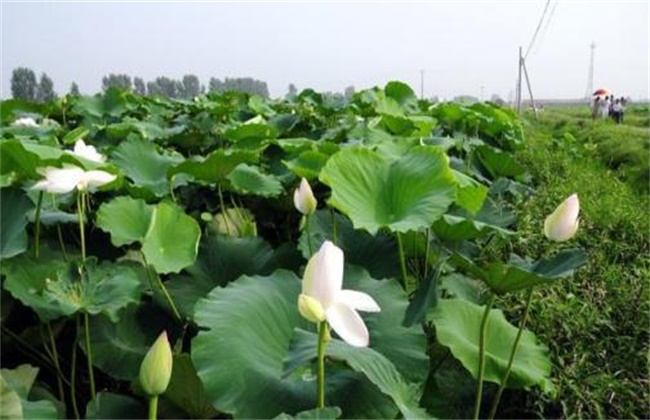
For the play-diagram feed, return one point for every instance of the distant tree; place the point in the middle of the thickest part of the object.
(139, 86)
(292, 91)
(45, 91)
(466, 99)
(496, 99)
(121, 81)
(349, 91)
(23, 84)
(191, 86)
(240, 84)
(74, 89)
(164, 86)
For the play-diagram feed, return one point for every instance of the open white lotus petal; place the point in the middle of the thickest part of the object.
(59, 181)
(347, 323)
(87, 152)
(98, 178)
(324, 274)
(359, 301)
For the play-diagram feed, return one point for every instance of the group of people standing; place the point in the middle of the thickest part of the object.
(609, 107)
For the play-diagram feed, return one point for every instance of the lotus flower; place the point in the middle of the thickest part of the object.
(66, 179)
(323, 298)
(303, 198)
(25, 122)
(562, 224)
(87, 152)
(156, 367)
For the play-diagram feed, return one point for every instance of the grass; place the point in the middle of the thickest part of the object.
(624, 148)
(597, 323)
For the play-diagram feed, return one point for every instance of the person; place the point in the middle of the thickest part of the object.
(622, 112)
(617, 110)
(605, 110)
(596, 107)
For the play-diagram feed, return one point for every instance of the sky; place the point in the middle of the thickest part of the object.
(445, 48)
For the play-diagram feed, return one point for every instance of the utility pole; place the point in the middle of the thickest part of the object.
(590, 78)
(518, 91)
(522, 66)
(421, 84)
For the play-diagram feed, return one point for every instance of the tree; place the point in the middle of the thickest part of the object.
(120, 81)
(497, 100)
(240, 84)
(191, 86)
(74, 89)
(164, 86)
(292, 91)
(349, 91)
(45, 91)
(23, 84)
(139, 87)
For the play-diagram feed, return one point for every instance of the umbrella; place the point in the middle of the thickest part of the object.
(601, 92)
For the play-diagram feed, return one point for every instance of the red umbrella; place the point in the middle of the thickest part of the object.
(601, 92)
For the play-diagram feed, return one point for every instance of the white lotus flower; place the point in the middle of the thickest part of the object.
(562, 224)
(25, 122)
(87, 152)
(303, 198)
(323, 298)
(66, 179)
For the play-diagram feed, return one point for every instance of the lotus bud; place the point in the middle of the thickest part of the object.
(303, 198)
(311, 309)
(156, 368)
(562, 224)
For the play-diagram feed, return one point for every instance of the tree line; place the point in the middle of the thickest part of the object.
(24, 85)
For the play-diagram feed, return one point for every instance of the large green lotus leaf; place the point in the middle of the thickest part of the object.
(317, 413)
(245, 331)
(26, 281)
(126, 219)
(107, 405)
(95, 289)
(144, 166)
(119, 347)
(498, 163)
(172, 241)
(215, 166)
(409, 193)
(14, 206)
(307, 164)
(15, 386)
(112, 103)
(470, 194)
(458, 224)
(458, 325)
(519, 274)
(378, 254)
(250, 180)
(221, 259)
(374, 365)
(23, 157)
(251, 135)
(186, 391)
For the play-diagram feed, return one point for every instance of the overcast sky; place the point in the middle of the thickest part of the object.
(463, 47)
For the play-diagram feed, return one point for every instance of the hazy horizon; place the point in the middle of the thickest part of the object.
(464, 48)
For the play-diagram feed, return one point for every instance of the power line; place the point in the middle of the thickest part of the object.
(539, 25)
(546, 25)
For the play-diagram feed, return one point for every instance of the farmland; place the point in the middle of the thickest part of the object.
(187, 217)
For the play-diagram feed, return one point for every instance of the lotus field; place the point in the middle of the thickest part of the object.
(234, 256)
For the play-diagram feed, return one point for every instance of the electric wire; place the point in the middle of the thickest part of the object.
(539, 26)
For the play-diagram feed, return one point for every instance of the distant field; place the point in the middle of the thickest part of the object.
(625, 148)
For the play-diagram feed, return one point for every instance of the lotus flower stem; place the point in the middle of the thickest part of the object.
(55, 360)
(89, 355)
(153, 407)
(402, 260)
(481, 357)
(335, 234)
(322, 343)
(162, 287)
(311, 248)
(80, 213)
(61, 243)
(73, 373)
(504, 381)
(37, 229)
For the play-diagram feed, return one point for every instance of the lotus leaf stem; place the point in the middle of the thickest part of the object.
(481, 356)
